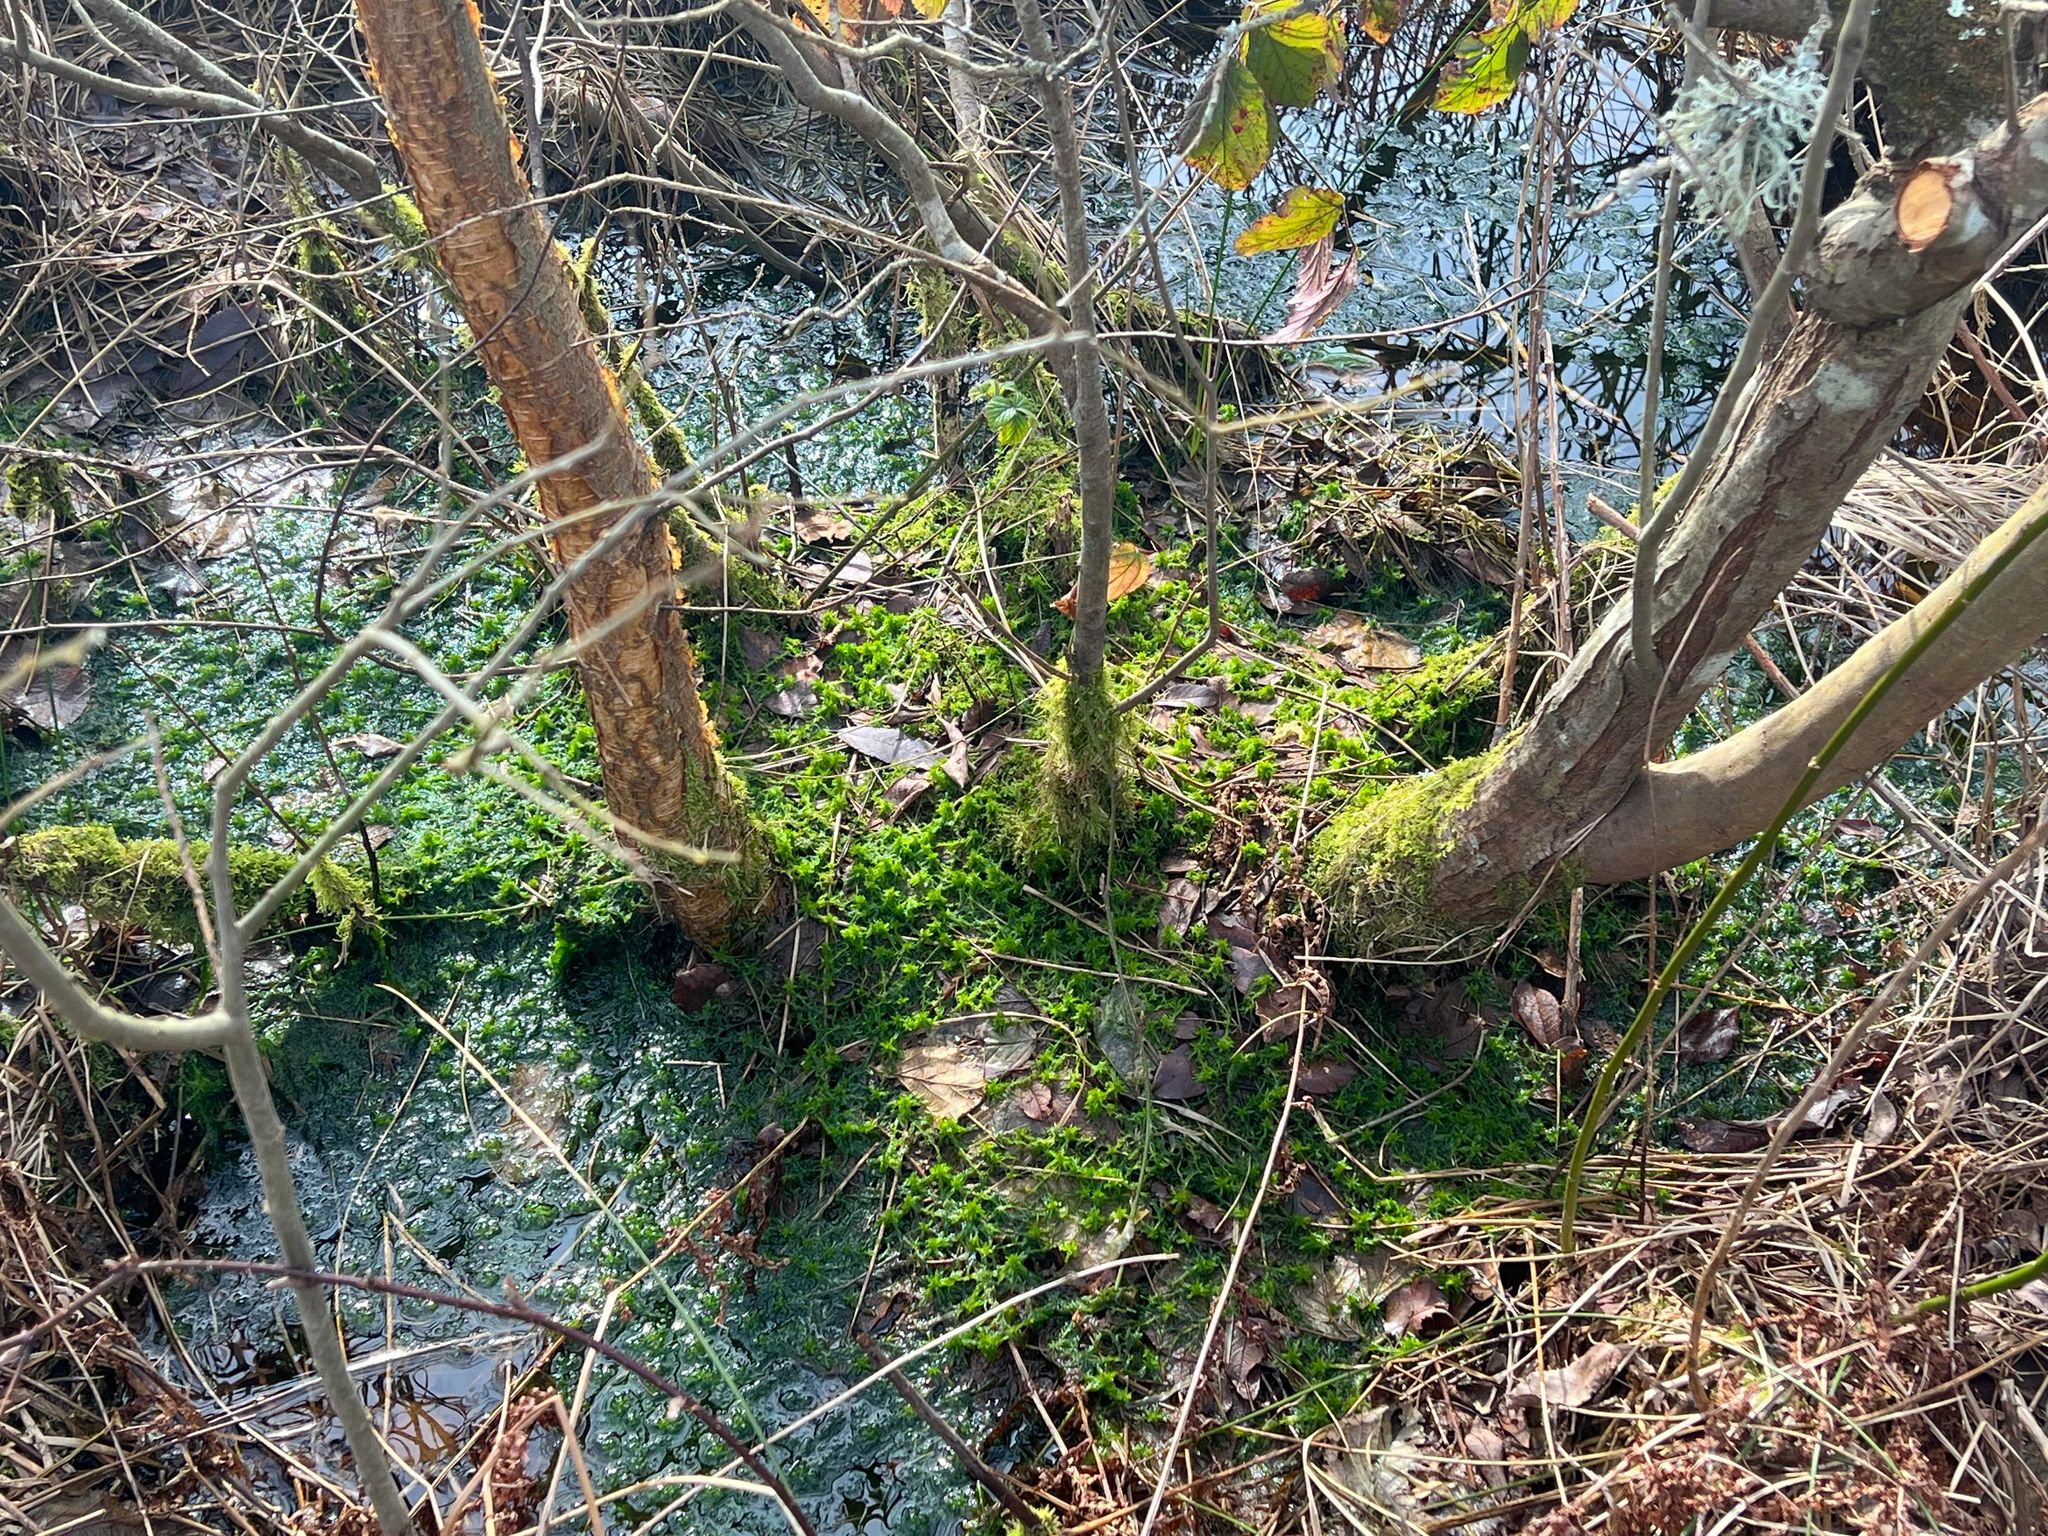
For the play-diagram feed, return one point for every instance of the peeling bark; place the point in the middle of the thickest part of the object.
(662, 775)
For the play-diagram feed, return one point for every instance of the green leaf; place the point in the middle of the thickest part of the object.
(1236, 136)
(1304, 216)
(1486, 65)
(1294, 59)
(1381, 18)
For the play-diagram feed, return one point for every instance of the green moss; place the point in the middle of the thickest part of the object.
(141, 882)
(1083, 779)
(36, 483)
(1375, 863)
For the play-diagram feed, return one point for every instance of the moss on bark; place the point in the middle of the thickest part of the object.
(1082, 776)
(1375, 864)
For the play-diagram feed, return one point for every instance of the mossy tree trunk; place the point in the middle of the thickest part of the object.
(1575, 784)
(662, 775)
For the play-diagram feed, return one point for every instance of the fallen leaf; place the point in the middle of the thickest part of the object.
(760, 648)
(1319, 289)
(1825, 1111)
(956, 765)
(1882, 1124)
(695, 985)
(1129, 569)
(1415, 1307)
(1573, 1385)
(1539, 1013)
(1283, 1011)
(1175, 1080)
(371, 745)
(1707, 1037)
(1243, 1353)
(887, 744)
(1178, 906)
(821, 525)
(1360, 647)
(1120, 1033)
(905, 793)
(795, 701)
(1710, 1135)
(950, 1072)
(56, 696)
(1034, 1101)
(1330, 1303)
(1313, 1196)
(1320, 1079)
(1188, 696)
(1206, 1214)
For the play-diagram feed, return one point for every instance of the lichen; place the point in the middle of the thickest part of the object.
(140, 883)
(1375, 864)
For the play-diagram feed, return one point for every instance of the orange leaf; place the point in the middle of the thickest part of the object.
(1129, 569)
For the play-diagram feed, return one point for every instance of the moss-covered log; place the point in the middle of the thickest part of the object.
(140, 882)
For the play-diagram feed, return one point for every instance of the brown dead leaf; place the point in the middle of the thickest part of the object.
(1283, 1010)
(1320, 287)
(1178, 906)
(1707, 1037)
(1573, 1385)
(761, 648)
(1035, 1101)
(1539, 1013)
(1206, 1214)
(1415, 1308)
(795, 701)
(950, 1072)
(1711, 1135)
(54, 698)
(821, 525)
(1175, 1080)
(371, 745)
(695, 985)
(1320, 1079)
(1360, 647)
(887, 744)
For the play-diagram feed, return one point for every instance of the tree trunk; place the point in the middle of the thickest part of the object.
(662, 775)
(1881, 310)
(1675, 812)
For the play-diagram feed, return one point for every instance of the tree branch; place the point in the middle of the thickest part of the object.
(1683, 810)
(92, 1019)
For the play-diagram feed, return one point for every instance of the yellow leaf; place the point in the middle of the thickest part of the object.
(1129, 569)
(1236, 135)
(1294, 59)
(1304, 216)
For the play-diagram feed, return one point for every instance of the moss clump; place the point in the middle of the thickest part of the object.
(1082, 779)
(141, 883)
(1375, 863)
(35, 482)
